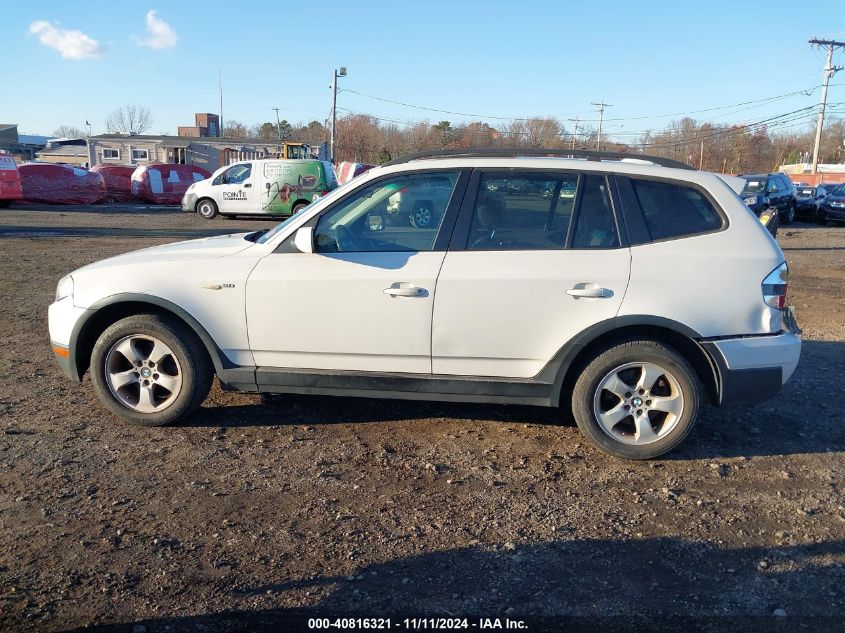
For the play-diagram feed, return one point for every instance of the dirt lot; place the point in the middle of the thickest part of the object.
(314, 505)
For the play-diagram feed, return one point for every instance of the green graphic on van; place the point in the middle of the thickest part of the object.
(288, 182)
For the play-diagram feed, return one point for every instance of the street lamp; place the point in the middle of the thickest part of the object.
(337, 73)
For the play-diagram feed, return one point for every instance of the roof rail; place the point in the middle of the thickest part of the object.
(496, 152)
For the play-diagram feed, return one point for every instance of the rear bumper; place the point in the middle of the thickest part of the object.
(753, 369)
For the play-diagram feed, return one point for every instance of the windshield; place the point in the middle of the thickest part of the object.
(839, 190)
(275, 230)
(754, 185)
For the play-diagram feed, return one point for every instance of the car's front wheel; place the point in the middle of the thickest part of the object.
(789, 216)
(207, 209)
(636, 400)
(151, 370)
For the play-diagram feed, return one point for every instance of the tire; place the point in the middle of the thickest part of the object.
(179, 378)
(207, 208)
(299, 206)
(789, 216)
(668, 376)
(422, 215)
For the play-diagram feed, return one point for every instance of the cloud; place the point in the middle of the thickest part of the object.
(70, 44)
(161, 34)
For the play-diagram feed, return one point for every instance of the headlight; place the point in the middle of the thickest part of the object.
(751, 201)
(64, 288)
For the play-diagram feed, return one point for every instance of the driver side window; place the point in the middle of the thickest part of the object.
(235, 175)
(400, 213)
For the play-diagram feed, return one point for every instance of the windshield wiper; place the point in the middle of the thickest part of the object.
(253, 237)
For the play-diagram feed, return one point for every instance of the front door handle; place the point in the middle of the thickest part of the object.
(247, 185)
(590, 290)
(397, 290)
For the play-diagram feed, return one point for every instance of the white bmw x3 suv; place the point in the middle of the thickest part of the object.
(649, 292)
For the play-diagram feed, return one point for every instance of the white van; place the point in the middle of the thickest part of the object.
(261, 187)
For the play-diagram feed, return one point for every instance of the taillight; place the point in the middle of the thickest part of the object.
(322, 193)
(774, 287)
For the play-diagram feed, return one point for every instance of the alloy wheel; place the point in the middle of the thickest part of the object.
(638, 403)
(143, 373)
(422, 217)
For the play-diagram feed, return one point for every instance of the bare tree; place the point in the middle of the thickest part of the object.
(68, 131)
(130, 119)
(235, 129)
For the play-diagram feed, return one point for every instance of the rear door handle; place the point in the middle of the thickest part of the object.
(590, 290)
(405, 291)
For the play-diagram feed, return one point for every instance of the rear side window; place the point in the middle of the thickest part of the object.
(595, 227)
(673, 210)
(522, 211)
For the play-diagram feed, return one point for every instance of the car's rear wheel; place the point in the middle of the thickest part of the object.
(207, 209)
(299, 206)
(636, 400)
(151, 370)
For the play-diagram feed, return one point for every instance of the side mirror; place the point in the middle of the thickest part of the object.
(304, 239)
(267, 186)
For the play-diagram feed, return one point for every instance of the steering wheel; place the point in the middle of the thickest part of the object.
(346, 240)
(485, 242)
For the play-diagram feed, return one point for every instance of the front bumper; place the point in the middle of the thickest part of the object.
(189, 202)
(833, 213)
(63, 318)
(752, 369)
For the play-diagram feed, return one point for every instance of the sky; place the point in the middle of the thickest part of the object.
(72, 61)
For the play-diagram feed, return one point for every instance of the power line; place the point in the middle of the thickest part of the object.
(805, 92)
(731, 131)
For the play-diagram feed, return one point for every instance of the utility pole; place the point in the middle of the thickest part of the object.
(220, 131)
(575, 133)
(340, 73)
(701, 158)
(601, 106)
(829, 71)
(278, 125)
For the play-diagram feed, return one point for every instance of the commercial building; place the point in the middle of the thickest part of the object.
(203, 151)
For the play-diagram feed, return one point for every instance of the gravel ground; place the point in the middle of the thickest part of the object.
(316, 505)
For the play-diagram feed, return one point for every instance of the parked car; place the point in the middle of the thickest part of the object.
(420, 205)
(53, 183)
(832, 206)
(261, 187)
(807, 199)
(770, 190)
(649, 293)
(165, 183)
(117, 180)
(10, 180)
(346, 171)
